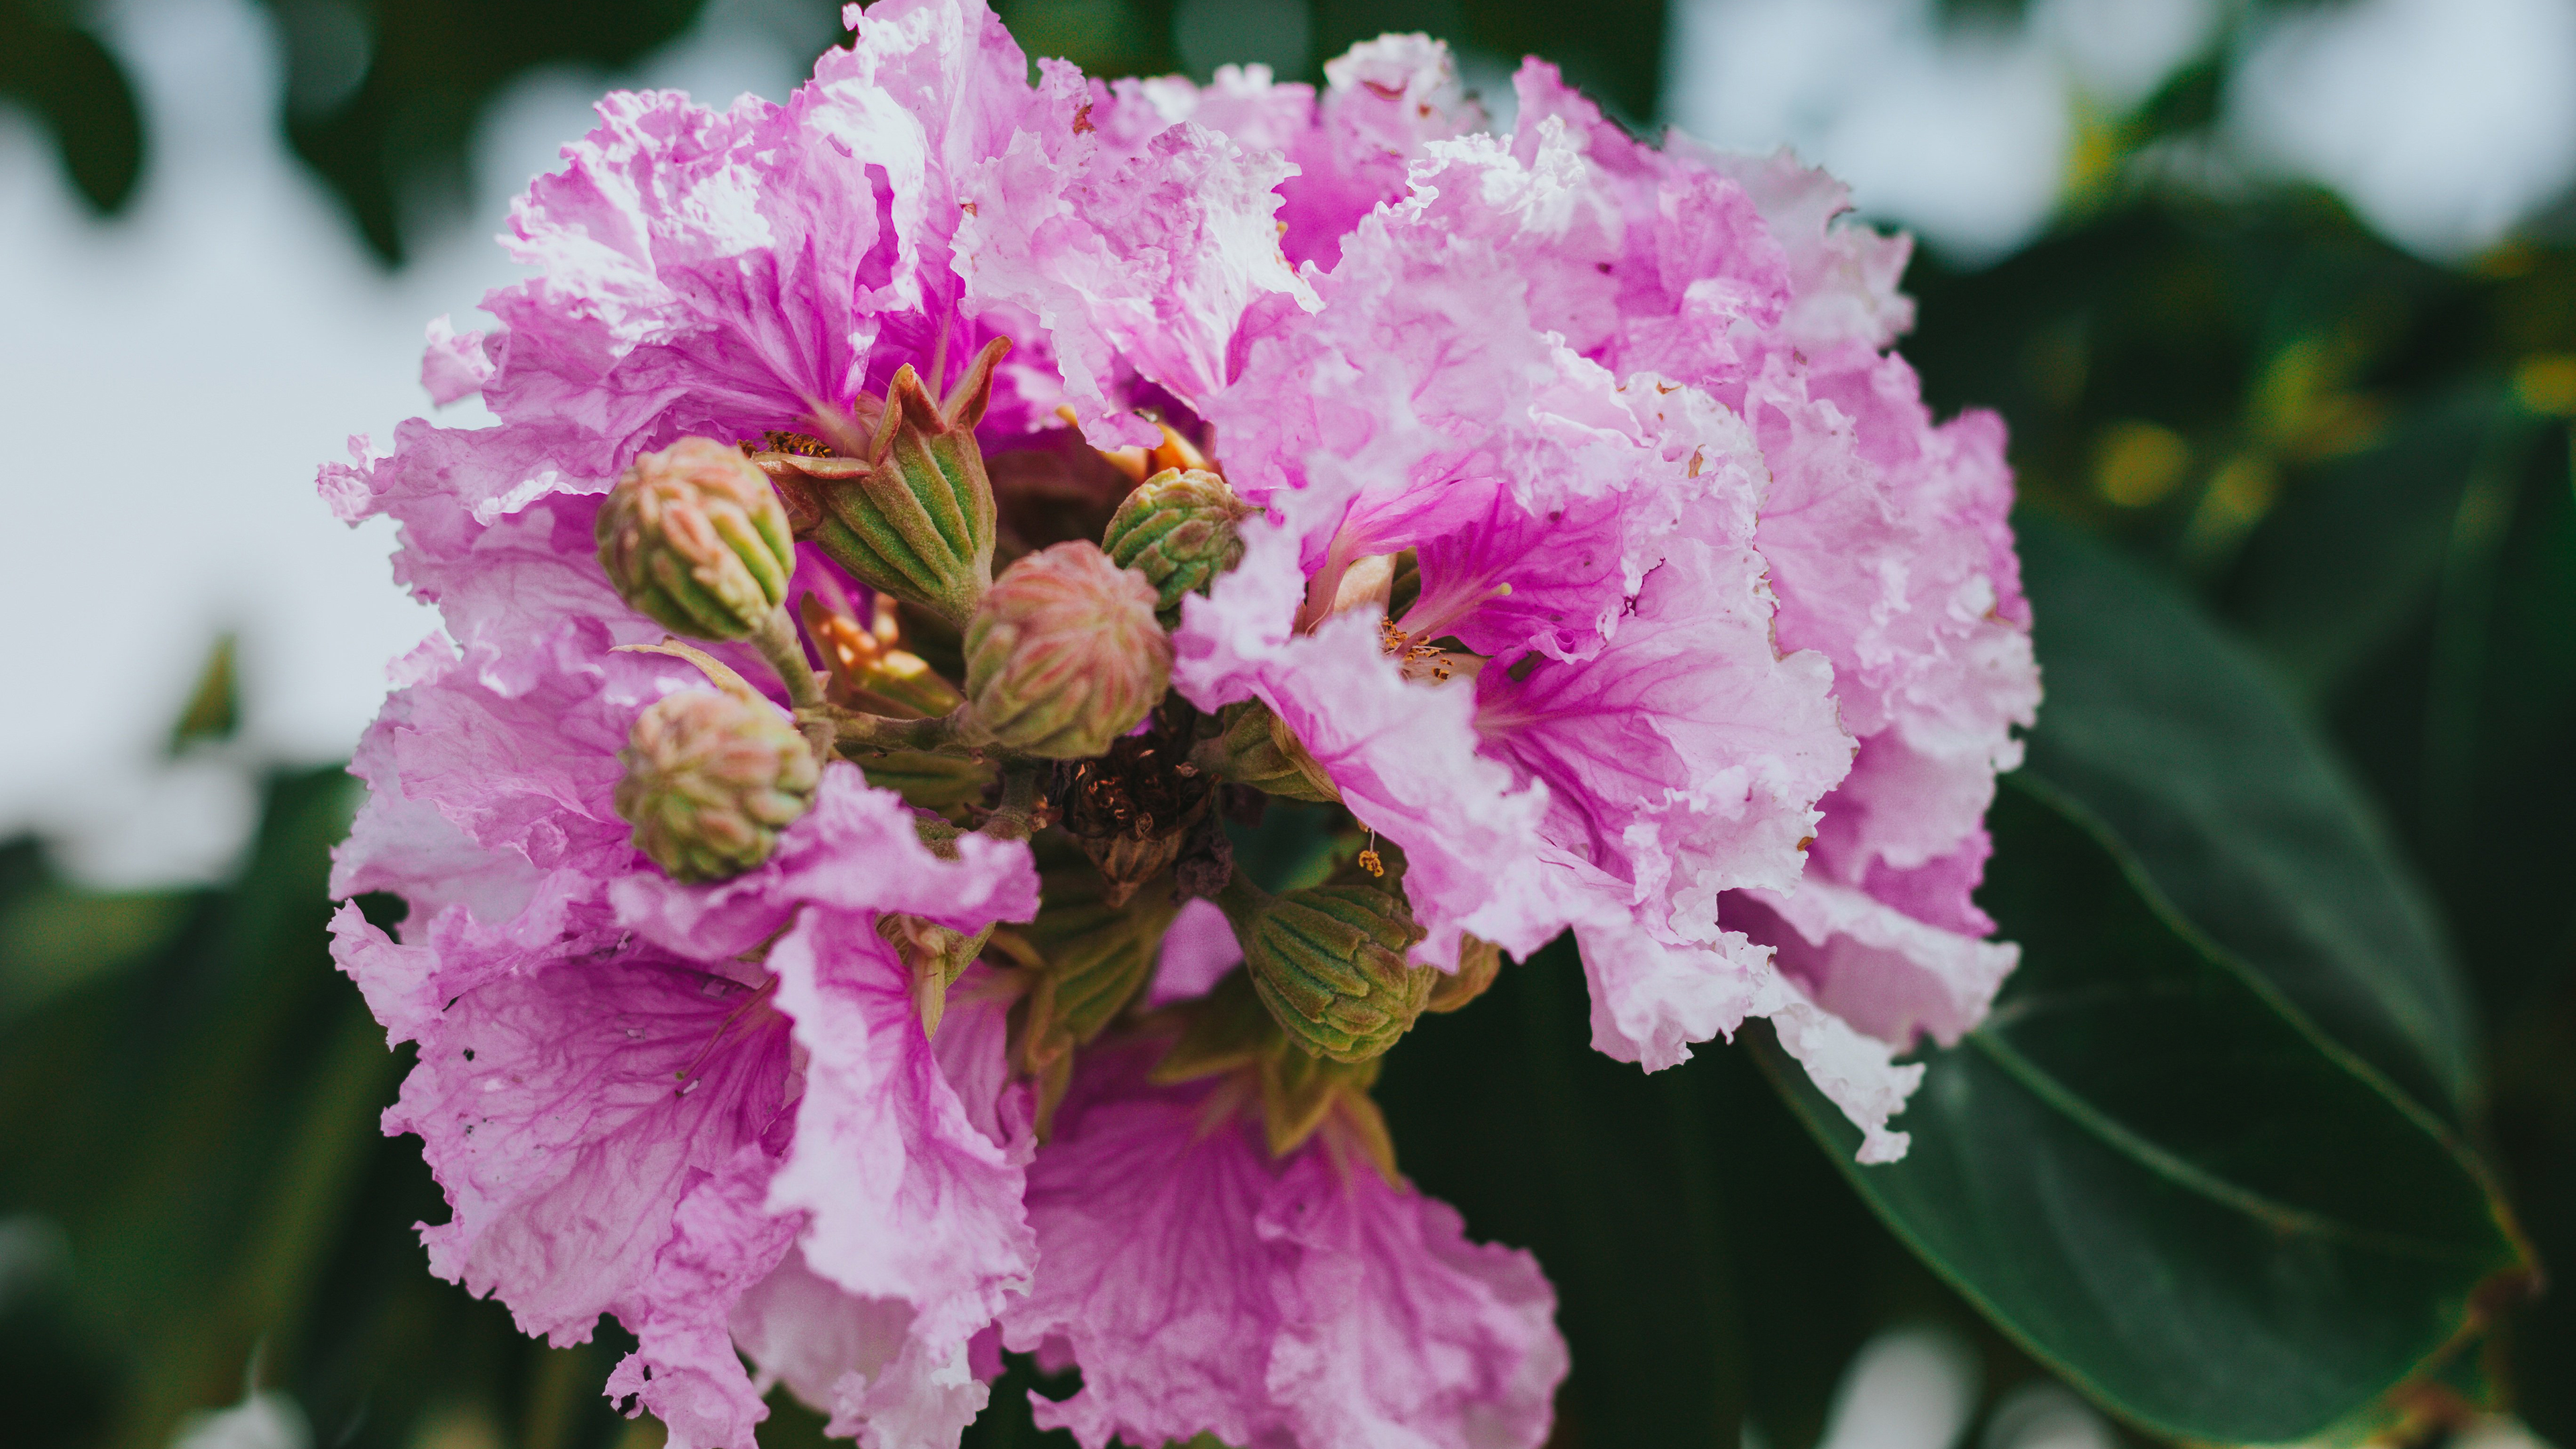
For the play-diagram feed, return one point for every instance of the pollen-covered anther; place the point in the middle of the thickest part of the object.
(1418, 660)
(712, 777)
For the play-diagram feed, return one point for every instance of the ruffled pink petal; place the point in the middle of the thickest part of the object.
(856, 1359)
(570, 1111)
(907, 1200)
(1385, 102)
(1144, 262)
(1403, 754)
(1888, 974)
(454, 365)
(1687, 757)
(1203, 1286)
(684, 1370)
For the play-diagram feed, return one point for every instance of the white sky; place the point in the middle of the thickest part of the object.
(2444, 122)
(172, 379)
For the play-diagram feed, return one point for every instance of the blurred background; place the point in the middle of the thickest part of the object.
(2278, 298)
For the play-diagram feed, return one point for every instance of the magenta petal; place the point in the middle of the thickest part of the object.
(1203, 1286)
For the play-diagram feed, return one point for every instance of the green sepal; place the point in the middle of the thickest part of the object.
(1254, 746)
(941, 784)
(917, 521)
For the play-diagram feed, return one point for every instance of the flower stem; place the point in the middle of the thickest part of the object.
(1017, 817)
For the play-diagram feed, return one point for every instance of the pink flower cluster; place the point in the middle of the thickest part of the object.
(1715, 652)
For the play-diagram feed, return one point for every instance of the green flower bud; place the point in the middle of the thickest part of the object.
(1063, 656)
(915, 517)
(1178, 529)
(694, 536)
(1329, 963)
(1254, 746)
(1090, 959)
(711, 778)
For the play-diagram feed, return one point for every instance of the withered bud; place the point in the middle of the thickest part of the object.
(1063, 656)
(694, 537)
(1131, 809)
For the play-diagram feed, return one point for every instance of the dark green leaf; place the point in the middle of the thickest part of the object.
(62, 73)
(2152, 1173)
(2352, 555)
(2177, 739)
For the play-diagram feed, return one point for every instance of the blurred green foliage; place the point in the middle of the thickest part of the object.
(2300, 514)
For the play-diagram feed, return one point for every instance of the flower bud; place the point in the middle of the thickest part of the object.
(1254, 746)
(1064, 656)
(711, 778)
(694, 537)
(1178, 529)
(915, 517)
(1092, 958)
(1329, 963)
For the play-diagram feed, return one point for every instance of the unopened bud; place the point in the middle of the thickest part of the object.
(711, 778)
(1180, 530)
(694, 536)
(1254, 746)
(1329, 963)
(915, 517)
(1064, 656)
(1093, 958)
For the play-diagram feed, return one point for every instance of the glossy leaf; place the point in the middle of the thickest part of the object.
(2180, 742)
(2148, 1169)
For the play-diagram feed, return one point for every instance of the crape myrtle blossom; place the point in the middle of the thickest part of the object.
(1629, 410)
(1043, 473)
